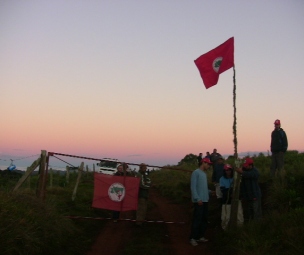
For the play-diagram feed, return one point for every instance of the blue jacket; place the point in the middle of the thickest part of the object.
(226, 188)
(199, 186)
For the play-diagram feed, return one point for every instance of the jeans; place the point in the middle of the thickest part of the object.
(141, 210)
(199, 221)
(277, 162)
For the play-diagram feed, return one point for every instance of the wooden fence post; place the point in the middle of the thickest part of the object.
(28, 172)
(42, 176)
(93, 168)
(80, 169)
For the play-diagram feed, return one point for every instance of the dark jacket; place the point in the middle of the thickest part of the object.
(279, 141)
(144, 185)
(217, 173)
(250, 189)
(214, 157)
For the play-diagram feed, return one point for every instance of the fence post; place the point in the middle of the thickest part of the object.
(42, 176)
(93, 168)
(28, 172)
(80, 169)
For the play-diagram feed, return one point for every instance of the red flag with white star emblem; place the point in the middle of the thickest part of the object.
(116, 193)
(215, 62)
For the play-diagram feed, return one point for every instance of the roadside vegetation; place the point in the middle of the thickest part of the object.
(280, 230)
(31, 226)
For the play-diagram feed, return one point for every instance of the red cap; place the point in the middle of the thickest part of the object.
(277, 122)
(248, 161)
(227, 166)
(206, 160)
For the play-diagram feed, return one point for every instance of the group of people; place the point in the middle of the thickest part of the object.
(143, 193)
(249, 201)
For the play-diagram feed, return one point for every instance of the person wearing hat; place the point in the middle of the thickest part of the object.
(250, 191)
(278, 147)
(200, 198)
(122, 170)
(226, 185)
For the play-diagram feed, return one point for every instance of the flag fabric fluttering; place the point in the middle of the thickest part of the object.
(116, 193)
(215, 62)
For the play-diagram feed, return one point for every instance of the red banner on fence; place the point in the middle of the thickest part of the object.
(116, 193)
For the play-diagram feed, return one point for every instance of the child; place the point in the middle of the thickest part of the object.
(226, 185)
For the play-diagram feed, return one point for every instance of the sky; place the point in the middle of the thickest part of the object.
(117, 79)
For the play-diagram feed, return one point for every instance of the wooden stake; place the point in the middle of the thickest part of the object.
(80, 169)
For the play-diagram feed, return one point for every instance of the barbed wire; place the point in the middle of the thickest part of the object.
(20, 158)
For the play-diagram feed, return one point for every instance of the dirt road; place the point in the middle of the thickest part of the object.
(114, 236)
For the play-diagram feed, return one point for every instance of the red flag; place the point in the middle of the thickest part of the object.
(116, 193)
(215, 62)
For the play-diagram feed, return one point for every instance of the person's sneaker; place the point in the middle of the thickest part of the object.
(193, 242)
(202, 240)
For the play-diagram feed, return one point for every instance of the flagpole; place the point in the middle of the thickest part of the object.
(237, 176)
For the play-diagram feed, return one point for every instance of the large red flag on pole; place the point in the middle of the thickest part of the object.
(116, 193)
(215, 62)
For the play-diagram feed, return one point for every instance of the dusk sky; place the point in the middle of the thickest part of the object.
(117, 78)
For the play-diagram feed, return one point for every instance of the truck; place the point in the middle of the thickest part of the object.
(107, 166)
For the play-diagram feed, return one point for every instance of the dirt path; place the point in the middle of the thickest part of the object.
(114, 235)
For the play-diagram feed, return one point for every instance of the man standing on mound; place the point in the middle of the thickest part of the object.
(278, 147)
(200, 198)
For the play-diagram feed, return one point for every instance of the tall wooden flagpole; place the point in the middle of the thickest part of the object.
(237, 176)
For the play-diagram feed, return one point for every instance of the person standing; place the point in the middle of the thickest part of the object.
(226, 184)
(119, 172)
(122, 170)
(218, 171)
(208, 155)
(199, 158)
(250, 190)
(143, 194)
(200, 198)
(213, 156)
(278, 147)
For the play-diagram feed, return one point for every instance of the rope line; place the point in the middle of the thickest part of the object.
(135, 164)
(21, 158)
(63, 161)
(103, 218)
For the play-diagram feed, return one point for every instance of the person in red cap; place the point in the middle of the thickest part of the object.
(226, 185)
(200, 198)
(250, 190)
(278, 147)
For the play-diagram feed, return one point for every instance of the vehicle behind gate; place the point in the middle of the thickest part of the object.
(107, 166)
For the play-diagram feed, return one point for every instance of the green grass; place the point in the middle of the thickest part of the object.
(281, 229)
(31, 226)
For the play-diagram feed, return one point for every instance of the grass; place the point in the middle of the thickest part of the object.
(280, 230)
(30, 226)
